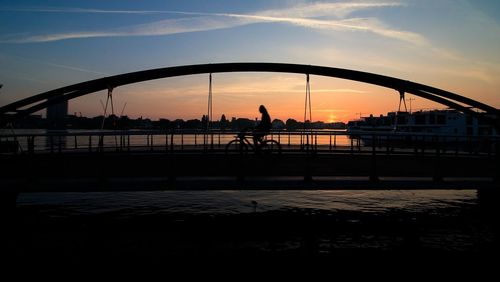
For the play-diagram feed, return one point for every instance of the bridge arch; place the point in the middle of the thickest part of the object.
(23, 107)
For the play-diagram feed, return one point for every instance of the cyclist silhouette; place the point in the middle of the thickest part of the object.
(241, 144)
(262, 129)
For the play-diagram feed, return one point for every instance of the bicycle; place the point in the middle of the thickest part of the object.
(242, 145)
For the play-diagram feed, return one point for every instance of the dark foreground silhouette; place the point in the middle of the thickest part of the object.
(116, 238)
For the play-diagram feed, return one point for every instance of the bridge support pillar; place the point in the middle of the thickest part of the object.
(308, 169)
(438, 177)
(240, 178)
(308, 178)
(489, 197)
(171, 179)
(489, 205)
(373, 169)
(242, 167)
(8, 201)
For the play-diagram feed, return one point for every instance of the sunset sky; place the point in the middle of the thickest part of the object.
(449, 44)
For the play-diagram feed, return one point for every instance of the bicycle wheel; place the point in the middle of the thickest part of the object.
(236, 146)
(271, 147)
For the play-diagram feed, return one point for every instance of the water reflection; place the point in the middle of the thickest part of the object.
(230, 202)
(183, 224)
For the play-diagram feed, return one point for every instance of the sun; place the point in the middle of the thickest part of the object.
(331, 118)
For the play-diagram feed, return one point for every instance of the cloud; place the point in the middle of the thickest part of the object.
(339, 10)
(354, 24)
(164, 27)
(301, 15)
(66, 67)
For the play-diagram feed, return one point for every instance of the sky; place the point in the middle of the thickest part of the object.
(449, 44)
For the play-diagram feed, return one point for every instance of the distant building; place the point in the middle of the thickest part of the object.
(57, 113)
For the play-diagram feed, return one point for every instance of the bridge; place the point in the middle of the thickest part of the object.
(107, 160)
(41, 101)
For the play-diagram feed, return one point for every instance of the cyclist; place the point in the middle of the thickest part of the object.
(262, 129)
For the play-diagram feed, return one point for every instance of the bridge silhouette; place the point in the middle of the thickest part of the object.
(424, 162)
(41, 101)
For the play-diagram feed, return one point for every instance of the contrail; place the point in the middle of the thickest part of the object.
(303, 16)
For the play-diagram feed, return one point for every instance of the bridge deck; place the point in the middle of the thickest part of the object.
(216, 170)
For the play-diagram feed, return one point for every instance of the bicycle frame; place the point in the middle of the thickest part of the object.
(244, 140)
(243, 144)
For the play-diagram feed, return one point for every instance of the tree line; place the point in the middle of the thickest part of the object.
(125, 123)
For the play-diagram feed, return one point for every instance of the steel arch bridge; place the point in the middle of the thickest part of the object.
(26, 106)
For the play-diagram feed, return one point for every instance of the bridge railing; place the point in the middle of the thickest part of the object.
(315, 141)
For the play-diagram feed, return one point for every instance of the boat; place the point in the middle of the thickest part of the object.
(450, 128)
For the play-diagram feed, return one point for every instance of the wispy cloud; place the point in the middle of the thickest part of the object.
(354, 24)
(164, 27)
(66, 67)
(302, 15)
(339, 10)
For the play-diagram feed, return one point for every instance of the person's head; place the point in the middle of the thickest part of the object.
(262, 109)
